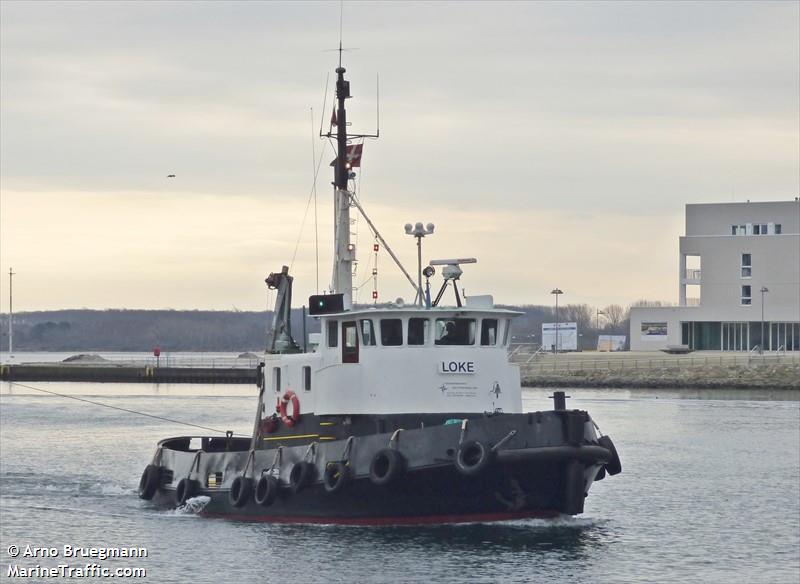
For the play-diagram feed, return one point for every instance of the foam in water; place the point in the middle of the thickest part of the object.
(192, 506)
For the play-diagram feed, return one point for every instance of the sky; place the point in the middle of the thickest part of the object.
(555, 142)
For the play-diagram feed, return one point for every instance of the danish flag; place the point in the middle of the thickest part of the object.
(352, 156)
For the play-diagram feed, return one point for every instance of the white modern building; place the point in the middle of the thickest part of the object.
(739, 275)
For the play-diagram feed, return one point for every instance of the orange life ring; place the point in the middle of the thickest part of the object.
(289, 396)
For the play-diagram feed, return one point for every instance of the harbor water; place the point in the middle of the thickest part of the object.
(710, 492)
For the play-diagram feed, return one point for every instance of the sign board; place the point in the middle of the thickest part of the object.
(654, 331)
(567, 334)
(611, 342)
(457, 367)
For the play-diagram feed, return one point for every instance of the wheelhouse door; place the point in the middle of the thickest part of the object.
(349, 342)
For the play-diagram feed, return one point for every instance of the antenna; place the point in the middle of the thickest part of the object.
(314, 187)
(377, 105)
(341, 20)
(324, 103)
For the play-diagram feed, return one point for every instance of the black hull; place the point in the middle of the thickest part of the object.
(437, 495)
(534, 465)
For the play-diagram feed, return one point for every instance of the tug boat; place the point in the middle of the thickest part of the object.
(406, 414)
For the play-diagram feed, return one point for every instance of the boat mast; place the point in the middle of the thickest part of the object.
(343, 250)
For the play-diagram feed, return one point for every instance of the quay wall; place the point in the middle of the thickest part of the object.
(126, 374)
(773, 376)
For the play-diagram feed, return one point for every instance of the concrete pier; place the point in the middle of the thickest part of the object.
(126, 374)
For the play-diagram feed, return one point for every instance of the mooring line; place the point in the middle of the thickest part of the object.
(88, 401)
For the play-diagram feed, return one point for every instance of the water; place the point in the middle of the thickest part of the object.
(710, 492)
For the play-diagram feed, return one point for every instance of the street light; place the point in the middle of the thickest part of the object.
(764, 290)
(599, 312)
(557, 293)
(419, 232)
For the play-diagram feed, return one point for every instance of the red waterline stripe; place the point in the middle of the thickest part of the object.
(416, 520)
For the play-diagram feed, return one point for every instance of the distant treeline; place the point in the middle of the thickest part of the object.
(204, 330)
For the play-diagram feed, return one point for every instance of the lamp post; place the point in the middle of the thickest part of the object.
(419, 232)
(599, 312)
(764, 290)
(557, 292)
(10, 314)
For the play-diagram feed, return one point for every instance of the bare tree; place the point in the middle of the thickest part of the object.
(651, 303)
(582, 314)
(615, 315)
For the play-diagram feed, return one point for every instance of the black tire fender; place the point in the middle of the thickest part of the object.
(473, 457)
(574, 488)
(613, 466)
(301, 475)
(336, 476)
(387, 466)
(601, 474)
(240, 492)
(150, 481)
(186, 489)
(266, 490)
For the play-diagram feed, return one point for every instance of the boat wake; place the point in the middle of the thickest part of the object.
(191, 507)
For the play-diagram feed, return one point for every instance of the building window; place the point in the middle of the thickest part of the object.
(756, 229)
(307, 378)
(747, 298)
(333, 333)
(777, 229)
(391, 332)
(747, 265)
(417, 331)
(367, 332)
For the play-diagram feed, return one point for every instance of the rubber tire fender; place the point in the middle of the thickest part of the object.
(241, 489)
(601, 474)
(266, 490)
(613, 466)
(574, 488)
(186, 489)
(150, 481)
(301, 475)
(336, 476)
(473, 457)
(387, 466)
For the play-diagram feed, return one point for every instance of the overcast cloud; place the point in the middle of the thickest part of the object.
(557, 142)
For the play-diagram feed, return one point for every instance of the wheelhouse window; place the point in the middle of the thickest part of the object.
(367, 332)
(391, 332)
(417, 331)
(455, 331)
(747, 298)
(307, 378)
(276, 378)
(506, 332)
(489, 332)
(333, 333)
